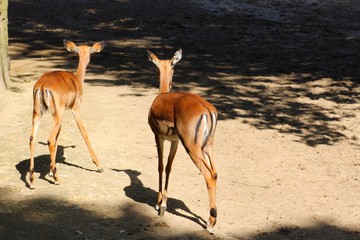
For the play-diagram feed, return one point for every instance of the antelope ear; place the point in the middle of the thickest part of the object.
(153, 58)
(97, 47)
(70, 46)
(177, 56)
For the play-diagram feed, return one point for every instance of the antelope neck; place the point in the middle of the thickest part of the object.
(81, 70)
(165, 81)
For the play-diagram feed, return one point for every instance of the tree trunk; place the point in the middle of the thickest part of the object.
(4, 57)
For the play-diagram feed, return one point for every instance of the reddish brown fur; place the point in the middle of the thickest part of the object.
(187, 117)
(56, 91)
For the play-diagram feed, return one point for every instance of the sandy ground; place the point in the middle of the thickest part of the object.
(283, 75)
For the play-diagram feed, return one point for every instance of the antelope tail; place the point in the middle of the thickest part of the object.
(43, 100)
(205, 130)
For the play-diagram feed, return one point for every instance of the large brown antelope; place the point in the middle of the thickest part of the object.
(175, 116)
(56, 91)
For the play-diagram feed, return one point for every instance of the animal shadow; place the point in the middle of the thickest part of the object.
(42, 164)
(139, 193)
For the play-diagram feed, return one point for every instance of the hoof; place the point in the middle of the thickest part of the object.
(32, 187)
(50, 174)
(100, 170)
(162, 210)
(57, 183)
(210, 230)
(210, 226)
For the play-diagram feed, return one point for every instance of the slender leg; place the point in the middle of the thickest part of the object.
(56, 147)
(57, 137)
(34, 130)
(171, 157)
(211, 186)
(173, 149)
(211, 179)
(207, 153)
(52, 143)
(210, 176)
(160, 148)
(86, 138)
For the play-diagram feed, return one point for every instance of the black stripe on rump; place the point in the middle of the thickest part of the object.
(197, 127)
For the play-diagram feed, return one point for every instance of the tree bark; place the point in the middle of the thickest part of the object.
(4, 57)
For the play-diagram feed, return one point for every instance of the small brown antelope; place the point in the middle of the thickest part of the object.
(175, 116)
(56, 91)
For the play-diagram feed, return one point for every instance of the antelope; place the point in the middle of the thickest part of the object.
(57, 91)
(175, 116)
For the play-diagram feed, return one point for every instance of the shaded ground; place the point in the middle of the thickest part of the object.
(283, 75)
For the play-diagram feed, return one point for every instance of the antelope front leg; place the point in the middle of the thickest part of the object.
(160, 200)
(86, 138)
(173, 148)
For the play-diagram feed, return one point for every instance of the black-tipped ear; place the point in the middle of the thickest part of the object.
(153, 58)
(65, 43)
(97, 47)
(176, 58)
(70, 46)
(150, 55)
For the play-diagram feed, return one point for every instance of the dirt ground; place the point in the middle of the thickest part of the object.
(284, 76)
